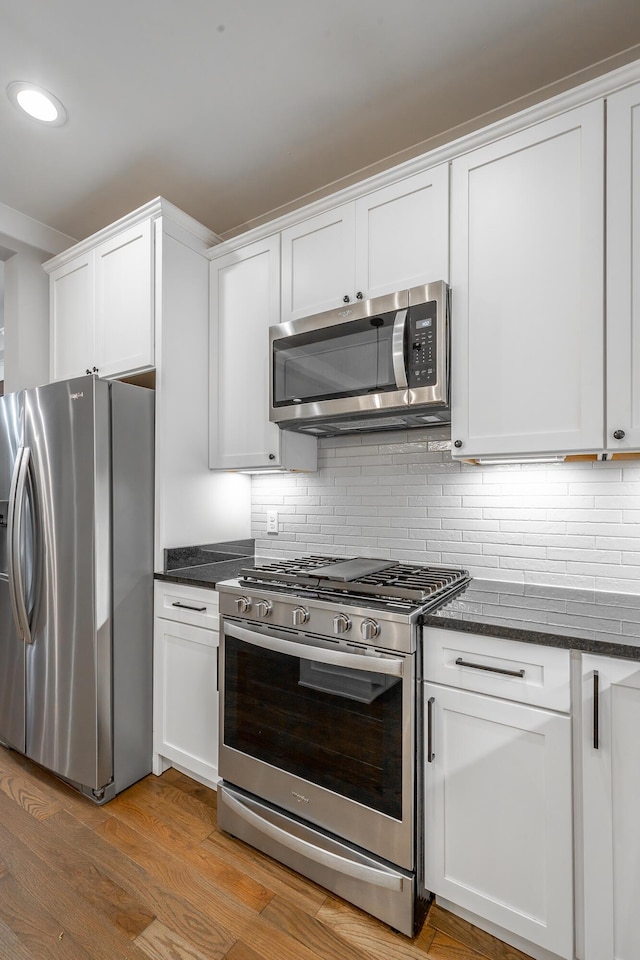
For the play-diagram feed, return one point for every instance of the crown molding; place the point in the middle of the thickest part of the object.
(153, 210)
(449, 147)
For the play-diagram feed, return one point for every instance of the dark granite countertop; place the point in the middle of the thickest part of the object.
(589, 620)
(207, 564)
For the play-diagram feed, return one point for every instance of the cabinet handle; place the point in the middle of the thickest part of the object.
(457, 444)
(618, 434)
(430, 754)
(272, 456)
(346, 298)
(482, 666)
(88, 371)
(359, 295)
(186, 606)
(596, 710)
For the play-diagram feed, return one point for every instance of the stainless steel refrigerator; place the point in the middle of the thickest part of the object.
(76, 580)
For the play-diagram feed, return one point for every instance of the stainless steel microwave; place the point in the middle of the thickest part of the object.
(380, 364)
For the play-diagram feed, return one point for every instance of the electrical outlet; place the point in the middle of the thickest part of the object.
(272, 521)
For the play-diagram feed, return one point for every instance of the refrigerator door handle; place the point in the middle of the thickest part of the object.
(11, 540)
(15, 540)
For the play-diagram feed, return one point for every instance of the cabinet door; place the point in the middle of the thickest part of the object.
(623, 270)
(72, 318)
(244, 304)
(498, 835)
(402, 234)
(125, 302)
(527, 261)
(186, 697)
(611, 828)
(318, 263)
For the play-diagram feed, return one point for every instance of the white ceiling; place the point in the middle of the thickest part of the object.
(233, 108)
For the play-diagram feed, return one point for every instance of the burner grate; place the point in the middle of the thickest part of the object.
(400, 581)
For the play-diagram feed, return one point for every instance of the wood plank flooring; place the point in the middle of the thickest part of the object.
(149, 877)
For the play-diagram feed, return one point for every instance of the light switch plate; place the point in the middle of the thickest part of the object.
(272, 521)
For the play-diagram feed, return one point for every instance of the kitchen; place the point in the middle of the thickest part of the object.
(395, 495)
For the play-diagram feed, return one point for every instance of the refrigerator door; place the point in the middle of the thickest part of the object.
(68, 662)
(12, 646)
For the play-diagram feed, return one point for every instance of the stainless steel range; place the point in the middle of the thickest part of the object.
(319, 721)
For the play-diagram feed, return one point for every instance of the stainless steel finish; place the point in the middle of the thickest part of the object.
(81, 564)
(382, 835)
(438, 393)
(483, 666)
(16, 537)
(393, 901)
(246, 810)
(341, 623)
(12, 546)
(372, 661)
(299, 616)
(392, 409)
(12, 647)
(369, 629)
(264, 608)
(397, 348)
(243, 605)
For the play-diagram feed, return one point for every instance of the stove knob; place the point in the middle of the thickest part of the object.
(341, 623)
(264, 608)
(369, 629)
(300, 616)
(243, 604)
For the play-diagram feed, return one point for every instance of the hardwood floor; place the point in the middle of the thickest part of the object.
(149, 876)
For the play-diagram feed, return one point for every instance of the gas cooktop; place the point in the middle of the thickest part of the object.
(384, 582)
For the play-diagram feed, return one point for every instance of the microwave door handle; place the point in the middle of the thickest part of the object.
(388, 665)
(397, 349)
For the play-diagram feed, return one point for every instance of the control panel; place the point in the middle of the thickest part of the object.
(422, 344)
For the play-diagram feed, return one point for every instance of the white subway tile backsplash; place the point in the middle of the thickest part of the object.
(400, 496)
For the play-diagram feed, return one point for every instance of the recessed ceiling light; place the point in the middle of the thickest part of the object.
(37, 103)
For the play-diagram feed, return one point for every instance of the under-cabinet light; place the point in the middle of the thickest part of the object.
(501, 461)
(37, 103)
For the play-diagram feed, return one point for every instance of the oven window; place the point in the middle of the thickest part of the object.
(340, 729)
(337, 361)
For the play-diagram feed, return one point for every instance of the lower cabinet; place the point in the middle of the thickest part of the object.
(185, 727)
(498, 787)
(609, 842)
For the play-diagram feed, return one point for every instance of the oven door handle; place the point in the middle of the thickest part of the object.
(378, 876)
(391, 666)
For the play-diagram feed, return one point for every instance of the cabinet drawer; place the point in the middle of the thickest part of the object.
(526, 672)
(194, 605)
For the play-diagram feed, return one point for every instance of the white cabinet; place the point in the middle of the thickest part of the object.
(623, 270)
(610, 841)
(498, 790)
(185, 710)
(394, 238)
(527, 277)
(102, 317)
(245, 302)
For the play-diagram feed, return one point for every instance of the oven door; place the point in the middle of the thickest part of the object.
(345, 361)
(324, 730)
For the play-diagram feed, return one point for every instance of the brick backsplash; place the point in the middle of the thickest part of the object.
(400, 496)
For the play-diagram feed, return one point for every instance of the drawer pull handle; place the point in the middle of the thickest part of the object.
(596, 710)
(430, 754)
(187, 606)
(481, 666)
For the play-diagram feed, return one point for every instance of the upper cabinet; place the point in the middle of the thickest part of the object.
(527, 272)
(391, 239)
(245, 302)
(102, 292)
(623, 270)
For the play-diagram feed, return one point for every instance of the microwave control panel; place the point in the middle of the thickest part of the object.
(422, 345)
